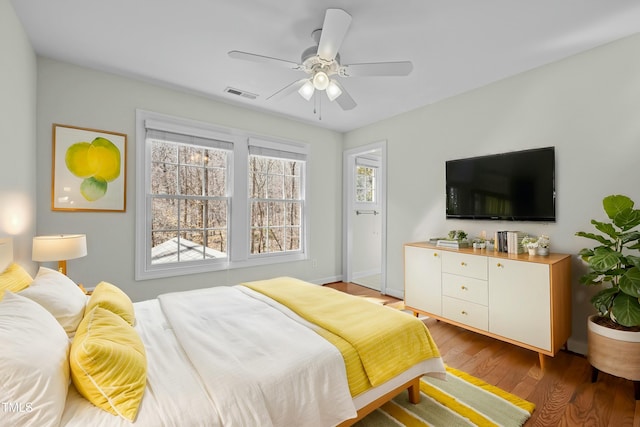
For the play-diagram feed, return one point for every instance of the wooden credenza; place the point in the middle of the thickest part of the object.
(521, 299)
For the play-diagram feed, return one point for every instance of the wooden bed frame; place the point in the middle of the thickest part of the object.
(413, 388)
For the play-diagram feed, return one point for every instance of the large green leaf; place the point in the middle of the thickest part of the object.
(603, 300)
(632, 260)
(604, 259)
(606, 227)
(597, 237)
(627, 219)
(630, 236)
(615, 204)
(630, 282)
(586, 252)
(626, 310)
(592, 278)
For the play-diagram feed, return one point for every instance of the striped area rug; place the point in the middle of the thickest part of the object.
(461, 400)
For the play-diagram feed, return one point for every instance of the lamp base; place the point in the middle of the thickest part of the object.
(62, 267)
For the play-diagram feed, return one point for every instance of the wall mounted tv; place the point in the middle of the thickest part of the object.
(515, 186)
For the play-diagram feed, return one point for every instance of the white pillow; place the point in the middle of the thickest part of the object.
(59, 295)
(34, 364)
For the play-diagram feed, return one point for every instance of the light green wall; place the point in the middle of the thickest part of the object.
(17, 135)
(77, 96)
(587, 106)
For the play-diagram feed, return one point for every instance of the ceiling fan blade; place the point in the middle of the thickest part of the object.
(236, 54)
(289, 89)
(401, 68)
(336, 24)
(345, 101)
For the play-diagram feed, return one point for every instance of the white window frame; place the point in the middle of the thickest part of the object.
(239, 206)
(373, 163)
(267, 148)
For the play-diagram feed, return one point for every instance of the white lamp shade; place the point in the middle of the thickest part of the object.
(320, 80)
(60, 247)
(333, 90)
(306, 90)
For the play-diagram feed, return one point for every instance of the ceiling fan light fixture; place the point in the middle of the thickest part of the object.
(320, 80)
(306, 90)
(333, 90)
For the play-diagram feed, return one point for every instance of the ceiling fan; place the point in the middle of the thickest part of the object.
(321, 63)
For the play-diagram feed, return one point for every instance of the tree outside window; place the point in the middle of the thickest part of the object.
(276, 204)
(189, 203)
(365, 184)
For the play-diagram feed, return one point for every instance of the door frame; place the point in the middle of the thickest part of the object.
(348, 179)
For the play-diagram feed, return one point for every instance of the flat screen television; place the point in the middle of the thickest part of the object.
(515, 186)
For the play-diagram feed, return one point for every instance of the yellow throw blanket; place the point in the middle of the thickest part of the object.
(387, 340)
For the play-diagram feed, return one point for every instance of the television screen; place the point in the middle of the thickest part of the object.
(516, 186)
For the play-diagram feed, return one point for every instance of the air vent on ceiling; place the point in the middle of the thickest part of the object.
(243, 93)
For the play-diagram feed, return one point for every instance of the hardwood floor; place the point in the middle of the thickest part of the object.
(563, 393)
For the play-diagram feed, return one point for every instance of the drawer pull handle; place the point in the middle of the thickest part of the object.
(464, 313)
(435, 254)
(463, 264)
(464, 288)
(499, 265)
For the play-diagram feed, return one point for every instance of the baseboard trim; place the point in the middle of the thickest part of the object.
(577, 346)
(325, 280)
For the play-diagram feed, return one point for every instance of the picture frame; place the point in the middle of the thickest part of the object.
(88, 171)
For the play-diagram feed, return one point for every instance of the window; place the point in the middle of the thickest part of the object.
(276, 204)
(211, 198)
(188, 197)
(366, 187)
(365, 184)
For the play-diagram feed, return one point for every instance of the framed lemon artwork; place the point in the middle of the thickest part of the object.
(89, 169)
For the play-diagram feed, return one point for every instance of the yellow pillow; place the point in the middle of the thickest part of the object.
(14, 278)
(108, 363)
(112, 298)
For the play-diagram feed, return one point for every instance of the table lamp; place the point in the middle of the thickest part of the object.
(61, 248)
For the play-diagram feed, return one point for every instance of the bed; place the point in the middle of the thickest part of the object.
(242, 355)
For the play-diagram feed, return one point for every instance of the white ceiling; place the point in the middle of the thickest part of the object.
(455, 45)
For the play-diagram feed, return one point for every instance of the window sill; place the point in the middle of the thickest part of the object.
(158, 272)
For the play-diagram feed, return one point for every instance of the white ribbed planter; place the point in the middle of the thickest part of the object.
(614, 352)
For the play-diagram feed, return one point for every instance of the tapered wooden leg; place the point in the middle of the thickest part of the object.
(414, 391)
(541, 358)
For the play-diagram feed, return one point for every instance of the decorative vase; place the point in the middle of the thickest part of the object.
(614, 352)
(543, 251)
(532, 251)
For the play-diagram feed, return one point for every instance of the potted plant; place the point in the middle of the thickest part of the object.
(613, 334)
(458, 235)
(530, 243)
(543, 245)
(479, 243)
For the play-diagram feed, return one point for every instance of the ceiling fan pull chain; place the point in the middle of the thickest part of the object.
(315, 104)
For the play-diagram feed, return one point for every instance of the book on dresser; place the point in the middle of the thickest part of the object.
(514, 242)
(509, 241)
(454, 244)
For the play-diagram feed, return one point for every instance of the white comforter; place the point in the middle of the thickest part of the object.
(223, 357)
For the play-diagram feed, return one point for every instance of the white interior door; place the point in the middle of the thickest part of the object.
(364, 260)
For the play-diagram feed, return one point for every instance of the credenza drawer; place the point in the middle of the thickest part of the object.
(465, 265)
(466, 312)
(465, 288)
